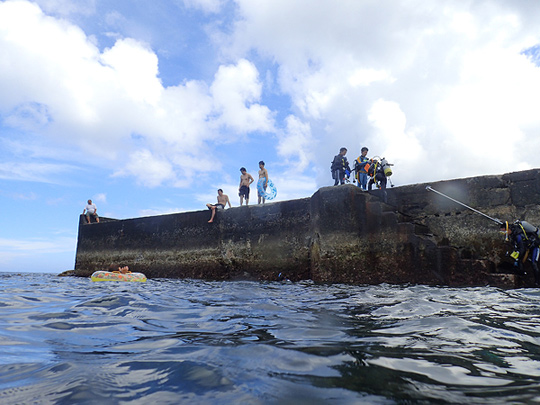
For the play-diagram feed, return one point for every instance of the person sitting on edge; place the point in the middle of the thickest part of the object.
(222, 200)
(91, 210)
(263, 173)
(245, 181)
(117, 268)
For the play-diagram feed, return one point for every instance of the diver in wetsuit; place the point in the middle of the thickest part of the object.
(377, 176)
(525, 239)
(340, 167)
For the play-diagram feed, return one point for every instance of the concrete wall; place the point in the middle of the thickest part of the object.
(340, 234)
(248, 241)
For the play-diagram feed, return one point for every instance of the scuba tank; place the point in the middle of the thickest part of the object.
(528, 228)
(385, 166)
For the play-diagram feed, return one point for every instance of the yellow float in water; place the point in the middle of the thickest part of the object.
(102, 275)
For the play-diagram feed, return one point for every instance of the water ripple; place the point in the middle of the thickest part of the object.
(68, 340)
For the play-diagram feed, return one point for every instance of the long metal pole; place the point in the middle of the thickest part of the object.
(466, 206)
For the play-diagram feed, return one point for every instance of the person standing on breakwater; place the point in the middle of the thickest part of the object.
(91, 211)
(377, 177)
(263, 174)
(360, 165)
(222, 200)
(339, 167)
(245, 181)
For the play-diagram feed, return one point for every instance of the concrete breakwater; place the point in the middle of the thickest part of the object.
(338, 235)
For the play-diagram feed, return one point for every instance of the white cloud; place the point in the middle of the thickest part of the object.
(293, 185)
(365, 77)
(28, 116)
(111, 106)
(402, 147)
(135, 70)
(22, 246)
(68, 7)
(461, 92)
(451, 76)
(148, 169)
(15, 249)
(31, 196)
(296, 144)
(209, 6)
(32, 254)
(101, 197)
(235, 90)
(38, 172)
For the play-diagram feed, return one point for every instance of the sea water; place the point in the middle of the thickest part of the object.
(67, 340)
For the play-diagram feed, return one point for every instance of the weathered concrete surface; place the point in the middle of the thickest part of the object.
(340, 234)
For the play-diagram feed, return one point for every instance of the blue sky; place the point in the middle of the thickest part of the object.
(149, 107)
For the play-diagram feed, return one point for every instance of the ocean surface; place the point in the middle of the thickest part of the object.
(67, 340)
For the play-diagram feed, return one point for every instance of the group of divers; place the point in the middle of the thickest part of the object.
(377, 169)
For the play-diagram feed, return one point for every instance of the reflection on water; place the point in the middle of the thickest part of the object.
(68, 340)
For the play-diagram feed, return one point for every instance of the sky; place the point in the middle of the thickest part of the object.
(148, 107)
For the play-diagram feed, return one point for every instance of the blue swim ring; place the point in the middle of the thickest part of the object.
(270, 192)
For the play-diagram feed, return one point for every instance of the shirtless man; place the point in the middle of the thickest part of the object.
(245, 182)
(263, 173)
(222, 200)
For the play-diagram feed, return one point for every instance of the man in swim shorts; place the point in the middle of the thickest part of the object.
(222, 200)
(245, 181)
(263, 173)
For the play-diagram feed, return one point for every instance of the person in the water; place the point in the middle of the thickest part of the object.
(117, 268)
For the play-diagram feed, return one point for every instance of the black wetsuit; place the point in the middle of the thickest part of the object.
(524, 241)
(339, 167)
(376, 174)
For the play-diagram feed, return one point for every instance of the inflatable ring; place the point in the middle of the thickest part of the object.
(102, 275)
(270, 192)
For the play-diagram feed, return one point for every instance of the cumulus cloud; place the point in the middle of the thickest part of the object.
(452, 84)
(111, 105)
(453, 78)
(149, 170)
(296, 144)
(389, 123)
(235, 90)
(141, 83)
